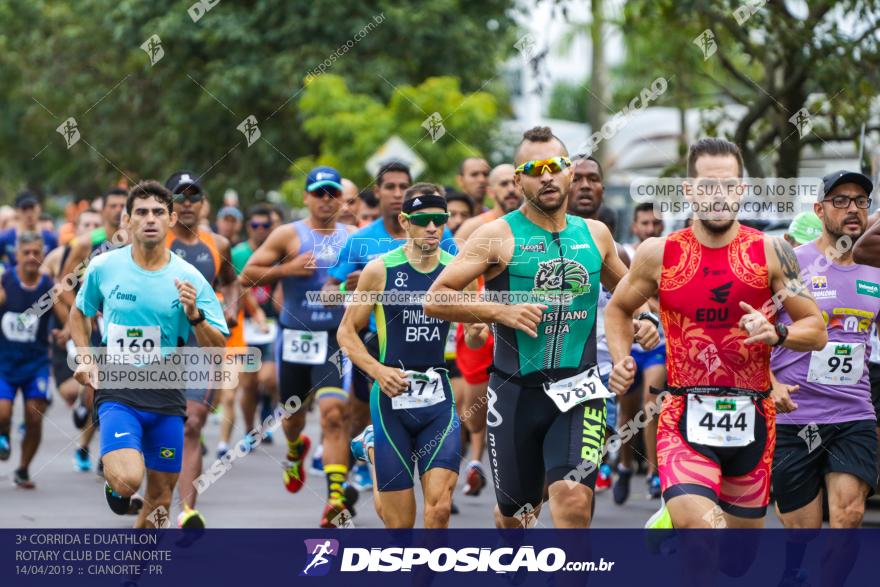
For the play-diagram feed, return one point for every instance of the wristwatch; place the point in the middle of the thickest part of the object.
(781, 332)
(650, 317)
(198, 320)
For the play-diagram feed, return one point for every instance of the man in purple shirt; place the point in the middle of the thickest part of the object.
(826, 432)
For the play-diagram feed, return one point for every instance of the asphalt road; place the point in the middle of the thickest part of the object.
(249, 495)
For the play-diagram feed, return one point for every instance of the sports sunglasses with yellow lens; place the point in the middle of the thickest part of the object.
(538, 167)
(438, 218)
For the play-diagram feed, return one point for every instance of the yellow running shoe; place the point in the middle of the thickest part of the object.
(190, 519)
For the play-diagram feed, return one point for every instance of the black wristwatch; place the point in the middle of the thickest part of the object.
(198, 320)
(781, 332)
(650, 317)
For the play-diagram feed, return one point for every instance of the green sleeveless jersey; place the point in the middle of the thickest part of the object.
(560, 270)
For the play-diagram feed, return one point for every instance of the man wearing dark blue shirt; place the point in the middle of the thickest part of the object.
(377, 238)
(28, 210)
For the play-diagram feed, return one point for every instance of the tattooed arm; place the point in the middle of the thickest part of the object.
(807, 330)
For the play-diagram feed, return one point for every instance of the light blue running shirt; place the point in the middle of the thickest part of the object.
(130, 296)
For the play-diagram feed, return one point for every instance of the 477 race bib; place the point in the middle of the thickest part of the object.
(425, 389)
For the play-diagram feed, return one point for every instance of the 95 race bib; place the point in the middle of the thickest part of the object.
(425, 389)
(20, 327)
(720, 421)
(134, 344)
(839, 363)
(304, 347)
(578, 389)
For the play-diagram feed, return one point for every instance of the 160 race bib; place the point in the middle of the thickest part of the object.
(140, 344)
(304, 347)
(424, 389)
(720, 421)
(578, 389)
(839, 363)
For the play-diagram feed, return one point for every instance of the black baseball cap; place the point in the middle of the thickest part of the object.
(181, 180)
(832, 180)
(25, 199)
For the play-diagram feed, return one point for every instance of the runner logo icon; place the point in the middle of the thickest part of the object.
(317, 553)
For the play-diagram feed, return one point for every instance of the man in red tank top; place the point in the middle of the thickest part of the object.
(717, 426)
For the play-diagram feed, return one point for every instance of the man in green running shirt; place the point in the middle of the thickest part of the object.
(542, 268)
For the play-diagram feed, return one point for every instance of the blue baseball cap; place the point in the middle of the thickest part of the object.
(323, 177)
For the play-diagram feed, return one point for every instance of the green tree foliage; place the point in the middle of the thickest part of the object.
(84, 60)
(568, 101)
(774, 59)
(349, 127)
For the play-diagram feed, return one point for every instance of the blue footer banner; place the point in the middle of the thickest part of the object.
(423, 557)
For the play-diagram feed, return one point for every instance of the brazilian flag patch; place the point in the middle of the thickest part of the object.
(166, 453)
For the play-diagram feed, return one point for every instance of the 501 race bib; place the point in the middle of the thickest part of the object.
(425, 389)
(304, 347)
(839, 363)
(578, 389)
(720, 421)
(134, 344)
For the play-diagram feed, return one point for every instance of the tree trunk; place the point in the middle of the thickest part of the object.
(598, 95)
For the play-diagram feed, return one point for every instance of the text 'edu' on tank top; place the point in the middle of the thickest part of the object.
(700, 291)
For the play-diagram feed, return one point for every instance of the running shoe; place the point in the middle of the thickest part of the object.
(661, 520)
(360, 477)
(80, 416)
(23, 480)
(361, 443)
(316, 465)
(336, 515)
(351, 497)
(654, 488)
(5, 449)
(267, 437)
(294, 471)
(662, 540)
(475, 479)
(190, 519)
(123, 506)
(222, 449)
(81, 460)
(621, 487)
(248, 443)
(603, 479)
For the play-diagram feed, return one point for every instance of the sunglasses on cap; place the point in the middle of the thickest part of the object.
(426, 218)
(538, 167)
(191, 198)
(263, 225)
(323, 191)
